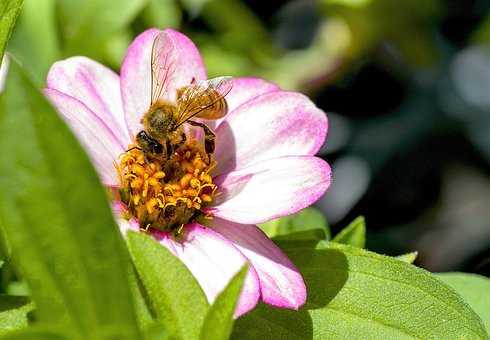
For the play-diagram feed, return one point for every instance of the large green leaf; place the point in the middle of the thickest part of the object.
(58, 221)
(308, 224)
(219, 320)
(143, 312)
(13, 312)
(356, 294)
(354, 234)
(9, 11)
(474, 289)
(174, 294)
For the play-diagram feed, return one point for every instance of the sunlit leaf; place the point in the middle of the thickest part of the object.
(309, 224)
(13, 312)
(9, 11)
(408, 257)
(356, 294)
(475, 291)
(219, 320)
(175, 296)
(354, 234)
(55, 214)
(18, 288)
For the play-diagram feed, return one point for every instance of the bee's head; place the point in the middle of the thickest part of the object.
(149, 145)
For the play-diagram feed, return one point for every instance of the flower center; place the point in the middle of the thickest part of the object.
(166, 195)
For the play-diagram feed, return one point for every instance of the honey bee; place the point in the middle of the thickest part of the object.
(163, 123)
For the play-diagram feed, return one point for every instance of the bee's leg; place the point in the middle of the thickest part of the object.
(169, 149)
(209, 138)
(183, 139)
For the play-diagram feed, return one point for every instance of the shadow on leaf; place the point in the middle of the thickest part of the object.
(316, 265)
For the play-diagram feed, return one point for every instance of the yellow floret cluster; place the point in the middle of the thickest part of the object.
(166, 194)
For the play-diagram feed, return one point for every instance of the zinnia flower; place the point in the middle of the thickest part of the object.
(263, 167)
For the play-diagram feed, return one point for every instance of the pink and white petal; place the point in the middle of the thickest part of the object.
(213, 261)
(247, 88)
(4, 67)
(272, 125)
(118, 210)
(270, 189)
(95, 136)
(136, 72)
(94, 85)
(243, 90)
(281, 284)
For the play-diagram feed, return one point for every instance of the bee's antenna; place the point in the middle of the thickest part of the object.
(134, 147)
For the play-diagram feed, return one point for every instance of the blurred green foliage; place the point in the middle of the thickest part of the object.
(235, 41)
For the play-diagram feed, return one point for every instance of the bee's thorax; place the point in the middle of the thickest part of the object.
(160, 120)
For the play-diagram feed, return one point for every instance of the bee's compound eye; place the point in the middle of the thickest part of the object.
(157, 147)
(142, 136)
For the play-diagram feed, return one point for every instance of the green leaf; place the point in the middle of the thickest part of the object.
(356, 294)
(354, 234)
(5, 250)
(57, 219)
(156, 331)
(474, 289)
(408, 257)
(174, 294)
(18, 288)
(219, 320)
(9, 11)
(308, 224)
(13, 312)
(39, 333)
(143, 312)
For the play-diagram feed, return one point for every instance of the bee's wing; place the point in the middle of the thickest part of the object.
(162, 65)
(195, 99)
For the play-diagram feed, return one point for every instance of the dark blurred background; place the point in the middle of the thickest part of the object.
(406, 84)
